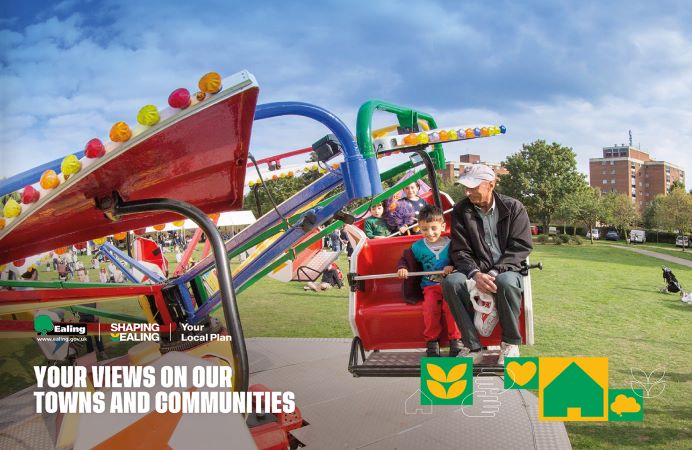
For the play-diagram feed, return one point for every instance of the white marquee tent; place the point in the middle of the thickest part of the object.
(227, 219)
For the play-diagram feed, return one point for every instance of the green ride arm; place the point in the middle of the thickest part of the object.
(407, 118)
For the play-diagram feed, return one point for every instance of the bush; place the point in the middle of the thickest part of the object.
(562, 239)
(543, 239)
(577, 240)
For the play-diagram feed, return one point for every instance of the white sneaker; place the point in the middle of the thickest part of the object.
(506, 349)
(477, 356)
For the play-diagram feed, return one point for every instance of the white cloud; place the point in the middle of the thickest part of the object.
(582, 77)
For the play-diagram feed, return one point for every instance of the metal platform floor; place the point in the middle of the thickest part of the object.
(385, 413)
(345, 412)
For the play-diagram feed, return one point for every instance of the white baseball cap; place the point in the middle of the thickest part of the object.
(474, 174)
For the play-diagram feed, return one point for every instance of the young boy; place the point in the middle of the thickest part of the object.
(432, 252)
(375, 227)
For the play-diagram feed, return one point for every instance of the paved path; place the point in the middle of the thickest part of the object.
(669, 258)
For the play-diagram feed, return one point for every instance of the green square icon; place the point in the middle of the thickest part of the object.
(625, 405)
(521, 373)
(446, 381)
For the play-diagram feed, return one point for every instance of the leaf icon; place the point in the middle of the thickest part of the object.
(437, 389)
(637, 385)
(657, 375)
(655, 390)
(639, 375)
(456, 373)
(456, 389)
(437, 373)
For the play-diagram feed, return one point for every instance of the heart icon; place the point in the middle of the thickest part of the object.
(521, 373)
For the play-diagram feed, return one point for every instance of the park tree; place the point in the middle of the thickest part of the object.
(280, 188)
(677, 184)
(621, 212)
(651, 213)
(675, 212)
(540, 176)
(589, 208)
(568, 210)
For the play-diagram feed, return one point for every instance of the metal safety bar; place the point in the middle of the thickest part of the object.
(228, 300)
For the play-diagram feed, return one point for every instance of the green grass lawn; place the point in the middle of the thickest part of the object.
(666, 249)
(593, 301)
(588, 301)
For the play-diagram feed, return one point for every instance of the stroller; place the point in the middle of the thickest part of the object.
(673, 286)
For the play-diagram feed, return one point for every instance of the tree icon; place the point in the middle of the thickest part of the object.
(43, 325)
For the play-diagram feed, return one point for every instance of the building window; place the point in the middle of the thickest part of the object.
(612, 172)
(612, 163)
(612, 181)
(605, 181)
(603, 163)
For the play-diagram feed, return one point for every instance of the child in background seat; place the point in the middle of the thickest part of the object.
(432, 252)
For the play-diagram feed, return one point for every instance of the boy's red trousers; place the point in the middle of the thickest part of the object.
(434, 307)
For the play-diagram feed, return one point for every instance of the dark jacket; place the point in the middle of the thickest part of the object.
(468, 250)
(331, 276)
(411, 291)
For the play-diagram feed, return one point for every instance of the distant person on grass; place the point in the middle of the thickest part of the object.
(331, 276)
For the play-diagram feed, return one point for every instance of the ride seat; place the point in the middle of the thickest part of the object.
(380, 316)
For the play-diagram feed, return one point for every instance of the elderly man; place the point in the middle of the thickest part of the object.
(491, 236)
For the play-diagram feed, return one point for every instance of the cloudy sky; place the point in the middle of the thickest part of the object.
(579, 73)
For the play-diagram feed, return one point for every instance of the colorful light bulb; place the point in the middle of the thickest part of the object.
(180, 98)
(100, 241)
(160, 227)
(477, 132)
(411, 139)
(434, 136)
(49, 180)
(484, 132)
(120, 132)
(422, 138)
(468, 133)
(453, 136)
(94, 148)
(444, 135)
(148, 115)
(12, 208)
(503, 129)
(210, 83)
(2, 225)
(30, 195)
(70, 166)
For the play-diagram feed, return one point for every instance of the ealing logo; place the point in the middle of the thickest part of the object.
(44, 326)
